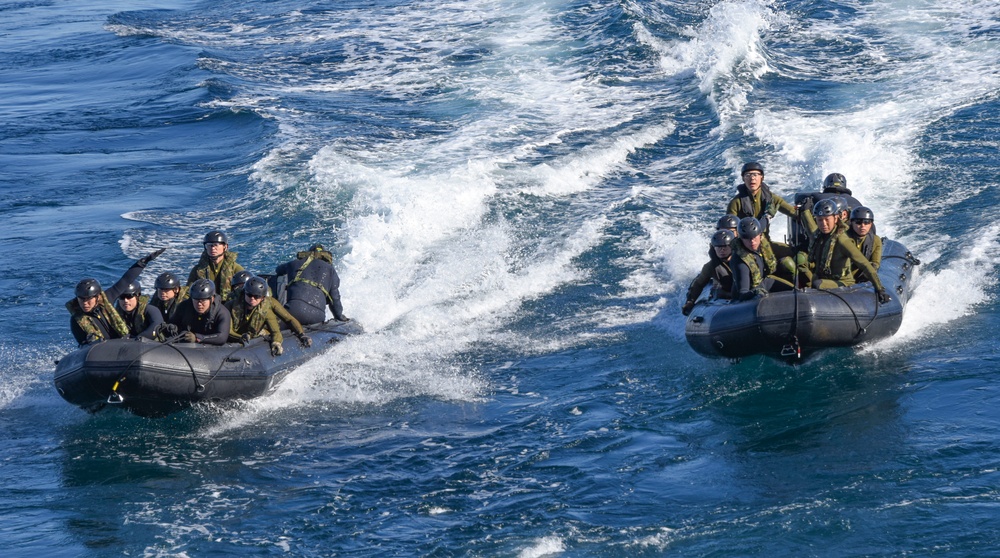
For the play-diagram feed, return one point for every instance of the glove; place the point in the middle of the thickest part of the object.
(806, 204)
(688, 306)
(152, 256)
(92, 338)
(342, 318)
(167, 330)
(883, 297)
(276, 349)
(188, 337)
(305, 340)
(245, 339)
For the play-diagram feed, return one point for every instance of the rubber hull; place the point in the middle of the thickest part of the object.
(787, 324)
(156, 379)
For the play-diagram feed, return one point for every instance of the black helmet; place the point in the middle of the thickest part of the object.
(723, 237)
(132, 289)
(216, 236)
(202, 289)
(750, 228)
(240, 278)
(728, 221)
(317, 248)
(167, 280)
(255, 286)
(835, 181)
(88, 288)
(825, 208)
(841, 203)
(754, 166)
(862, 213)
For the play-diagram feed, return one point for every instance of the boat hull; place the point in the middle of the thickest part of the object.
(155, 379)
(787, 324)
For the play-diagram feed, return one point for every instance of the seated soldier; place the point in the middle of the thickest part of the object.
(716, 271)
(313, 285)
(730, 223)
(141, 317)
(253, 316)
(836, 183)
(216, 264)
(93, 317)
(169, 293)
(202, 318)
(832, 253)
(237, 285)
(862, 232)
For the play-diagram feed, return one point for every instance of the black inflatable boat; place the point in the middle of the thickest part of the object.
(156, 379)
(787, 324)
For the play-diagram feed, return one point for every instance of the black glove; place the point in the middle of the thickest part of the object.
(806, 204)
(188, 337)
(276, 349)
(342, 318)
(245, 339)
(688, 306)
(759, 291)
(305, 340)
(92, 338)
(883, 297)
(152, 256)
(168, 330)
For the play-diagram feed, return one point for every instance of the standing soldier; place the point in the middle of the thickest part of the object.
(716, 271)
(755, 199)
(217, 264)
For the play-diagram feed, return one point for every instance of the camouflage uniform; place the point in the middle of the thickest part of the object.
(759, 265)
(717, 272)
(237, 308)
(831, 256)
(221, 275)
(103, 322)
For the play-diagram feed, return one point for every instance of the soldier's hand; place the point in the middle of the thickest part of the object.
(152, 256)
(168, 330)
(342, 318)
(245, 339)
(276, 349)
(806, 204)
(188, 337)
(305, 340)
(688, 306)
(883, 297)
(92, 338)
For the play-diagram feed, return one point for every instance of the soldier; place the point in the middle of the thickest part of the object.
(141, 317)
(202, 318)
(93, 318)
(750, 265)
(236, 285)
(313, 285)
(716, 271)
(836, 183)
(253, 316)
(730, 223)
(862, 232)
(832, 253)
(169, 293)
(755, 199)
(217, 264)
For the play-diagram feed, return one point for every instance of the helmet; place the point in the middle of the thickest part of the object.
(202, 289)
(754, 166)
(825, 208)
(317, 248)
(132, 289)
(728, 221)
(255, 286)
(750, 228)
(840, 202)
(723, 237)
(862, 213)
(167, 280)
(835, 181)
(216, 236)
(240, 278)
(88, 288)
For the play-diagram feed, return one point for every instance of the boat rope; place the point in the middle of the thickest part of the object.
(116, 398)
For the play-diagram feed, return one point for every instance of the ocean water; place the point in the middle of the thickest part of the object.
(518, 194)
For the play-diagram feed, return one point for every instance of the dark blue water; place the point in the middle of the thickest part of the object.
(518, 194)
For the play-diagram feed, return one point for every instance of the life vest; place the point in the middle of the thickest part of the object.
(222, 275)
(753, 261)
(821, 248)
(250, 320)
(746, 202)
(137, 324)
(104, 314)
(310, 257)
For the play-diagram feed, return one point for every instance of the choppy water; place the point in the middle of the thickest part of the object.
(518, 194)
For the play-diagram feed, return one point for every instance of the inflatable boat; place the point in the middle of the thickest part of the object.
(788, 324)
(153, 379)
